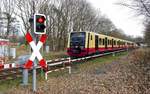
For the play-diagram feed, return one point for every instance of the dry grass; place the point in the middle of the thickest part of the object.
(54, 55)
(123, 76)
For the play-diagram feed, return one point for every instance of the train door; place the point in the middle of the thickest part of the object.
(106, 40)
(96, 42)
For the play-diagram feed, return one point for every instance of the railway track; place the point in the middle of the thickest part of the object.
(53, 65)
(9, 74)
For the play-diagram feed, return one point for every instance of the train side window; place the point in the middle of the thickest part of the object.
(110, 42)
(91, 37)
(103, 41)
(118, 43)
(114, 42)
(100, 41)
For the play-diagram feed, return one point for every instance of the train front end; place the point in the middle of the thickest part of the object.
(76, 44)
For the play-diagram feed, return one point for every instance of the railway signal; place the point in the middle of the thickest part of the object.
(39, 24)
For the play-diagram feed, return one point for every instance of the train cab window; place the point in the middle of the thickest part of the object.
(103, 41)
(77, 38)
(100, 41)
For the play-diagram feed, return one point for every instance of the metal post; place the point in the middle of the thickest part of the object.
(34, 68)
(69, 69)
(127, 49)
(114, 54)
(46, 75)
(25, 77)
(34, 76)
(35, 38)
(70, 65)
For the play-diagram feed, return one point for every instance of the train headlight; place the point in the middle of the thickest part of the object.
(76, 46)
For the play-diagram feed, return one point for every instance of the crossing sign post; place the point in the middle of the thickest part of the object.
(38, 24)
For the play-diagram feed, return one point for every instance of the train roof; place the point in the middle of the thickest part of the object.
(105, 36)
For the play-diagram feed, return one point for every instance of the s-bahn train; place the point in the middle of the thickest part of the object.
(87, 43)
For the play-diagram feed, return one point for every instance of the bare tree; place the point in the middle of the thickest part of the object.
(141, 7)
(8, 8)
(26, 9)
(147, 34)
(73, 15)
(63, 17)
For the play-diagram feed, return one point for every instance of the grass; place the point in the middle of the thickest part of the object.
(87, 65)
(8, 84)
(76, 68)
(54, 55)
(116, 77)
(83, 66)
(5, 85)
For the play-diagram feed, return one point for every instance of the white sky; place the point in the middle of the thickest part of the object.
(123, 17)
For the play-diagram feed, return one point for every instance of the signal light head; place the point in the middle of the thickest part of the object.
(41, 19)
(40, 27)
(39, 24)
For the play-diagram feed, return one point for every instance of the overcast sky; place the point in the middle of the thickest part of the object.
(121, 16)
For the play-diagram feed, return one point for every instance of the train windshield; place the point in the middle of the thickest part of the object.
(77, 38)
